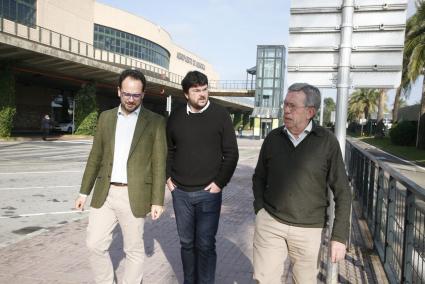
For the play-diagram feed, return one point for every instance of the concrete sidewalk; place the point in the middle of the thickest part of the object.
(60, 255)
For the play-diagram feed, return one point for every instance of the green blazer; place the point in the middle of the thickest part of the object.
(145, 164)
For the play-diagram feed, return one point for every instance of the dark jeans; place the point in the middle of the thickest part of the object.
(197, 216)
(45, 133)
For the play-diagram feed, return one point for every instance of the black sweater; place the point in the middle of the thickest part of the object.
(202, 148)
(291, 182)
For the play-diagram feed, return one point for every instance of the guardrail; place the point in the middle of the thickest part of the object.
(394, 209)
(232, 85)
(65, 43)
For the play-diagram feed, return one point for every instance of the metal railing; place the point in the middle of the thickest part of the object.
(394, 209)
(66, 43)
(232, 85)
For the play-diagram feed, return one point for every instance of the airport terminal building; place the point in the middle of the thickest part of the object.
(55, 47)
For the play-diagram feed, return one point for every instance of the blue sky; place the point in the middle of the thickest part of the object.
(223, 32)
(226, 32)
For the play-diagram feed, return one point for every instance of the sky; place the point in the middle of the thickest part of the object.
(223, 32)
(226, 32)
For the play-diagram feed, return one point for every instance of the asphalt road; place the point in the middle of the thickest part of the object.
(39, 181)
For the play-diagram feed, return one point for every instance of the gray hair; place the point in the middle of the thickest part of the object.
(312, 94)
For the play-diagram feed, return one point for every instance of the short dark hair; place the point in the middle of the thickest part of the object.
(193, 79)
(133, 73)
(312, 94)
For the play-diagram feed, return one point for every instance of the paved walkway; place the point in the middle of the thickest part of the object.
(60, 256)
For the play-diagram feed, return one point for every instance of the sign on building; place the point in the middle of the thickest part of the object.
(377, 42)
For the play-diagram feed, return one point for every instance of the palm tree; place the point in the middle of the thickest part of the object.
(363, 102)
(402, 103)
(329, 107)
(404, 89)
(381, 104)
(415, 48)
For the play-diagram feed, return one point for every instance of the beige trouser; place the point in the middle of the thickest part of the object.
(274, 241)
(102, 222)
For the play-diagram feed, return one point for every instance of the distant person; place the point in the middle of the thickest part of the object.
(45, 126)
(126, 167)
(297, 163)
(240, 131)
(202, 157)
(380, 129)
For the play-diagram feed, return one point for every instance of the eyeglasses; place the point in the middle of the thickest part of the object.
(292, 107)
(134, 96)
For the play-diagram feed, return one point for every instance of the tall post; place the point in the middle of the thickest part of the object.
(322, 109)
(168, 106)
(344, 72)
(73, 117)
(343, 86)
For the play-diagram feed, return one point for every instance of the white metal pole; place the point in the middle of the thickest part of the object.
(73, 117)
(322, 108)
(344, 72)
(168, 105)
(343, 86)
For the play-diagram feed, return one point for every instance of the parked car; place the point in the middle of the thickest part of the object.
(65, 127)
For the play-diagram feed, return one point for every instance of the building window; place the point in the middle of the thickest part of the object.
(270, 60)
(110, 39)
(21, 11)
(266, 101)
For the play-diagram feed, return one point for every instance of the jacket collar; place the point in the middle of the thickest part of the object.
(142, 122)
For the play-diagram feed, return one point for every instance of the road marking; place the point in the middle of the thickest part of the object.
(86, 142)
(14, 163)
(27, 149)
(38, 187)
(53, 172)
(42, 214)
(46, 153)
(67, 157)
(61, 141)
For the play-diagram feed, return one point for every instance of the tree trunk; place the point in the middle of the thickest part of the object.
(420, 142)
(366, 112)
(396, 106)
(381, 104)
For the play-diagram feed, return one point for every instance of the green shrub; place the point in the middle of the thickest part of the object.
(88, 125)
(7, 100)
(6, 121)
(86, 112)
(404, 133)
(237, 120)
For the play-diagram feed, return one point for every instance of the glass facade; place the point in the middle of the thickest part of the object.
(21, 11)
(270, 64)
(110, 39)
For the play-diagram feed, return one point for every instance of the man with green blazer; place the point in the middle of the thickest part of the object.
(126, 168)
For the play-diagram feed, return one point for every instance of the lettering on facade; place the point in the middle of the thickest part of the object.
(189, 60)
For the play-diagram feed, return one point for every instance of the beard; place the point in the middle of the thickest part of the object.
(199, 104)
(129, 107)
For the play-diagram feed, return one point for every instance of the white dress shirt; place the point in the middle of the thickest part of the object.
(123, 137)
(302, 135)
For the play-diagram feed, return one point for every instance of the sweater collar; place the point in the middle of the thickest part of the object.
(315, 129)
(188, 110)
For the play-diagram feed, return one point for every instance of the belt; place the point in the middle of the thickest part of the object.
(118, 184)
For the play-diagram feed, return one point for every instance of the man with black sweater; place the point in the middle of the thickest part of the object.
(296, 165)
(202, 157)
